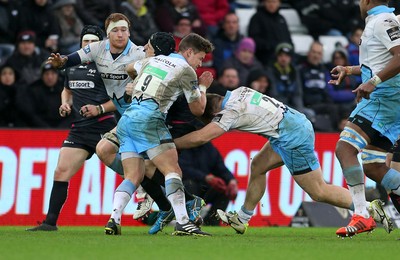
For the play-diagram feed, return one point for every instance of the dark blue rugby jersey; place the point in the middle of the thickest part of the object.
(87, 88)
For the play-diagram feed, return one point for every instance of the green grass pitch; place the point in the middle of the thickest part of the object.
(257, 243)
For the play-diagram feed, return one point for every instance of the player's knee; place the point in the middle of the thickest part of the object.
(61, 173)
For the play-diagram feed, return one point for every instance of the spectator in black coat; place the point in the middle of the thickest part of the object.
(268, 28)
(26, 58)
(10, 114)
(41, 101)
(37, 16)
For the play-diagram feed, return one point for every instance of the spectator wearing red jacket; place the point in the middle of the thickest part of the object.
(212, 12)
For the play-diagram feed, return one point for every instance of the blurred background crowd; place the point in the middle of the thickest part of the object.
(285, 49)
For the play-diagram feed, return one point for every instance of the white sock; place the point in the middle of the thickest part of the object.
(121, 199)
(358, 195)
(178, 203)
(244, 217)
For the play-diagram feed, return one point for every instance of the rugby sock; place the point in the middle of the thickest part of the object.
(122, 196)
(355, 181)
(159, 178)
(395, 200)
(116, 165)
(174, 191)
(245, 215)
(58, 197)
(391, 181)
(154, 190)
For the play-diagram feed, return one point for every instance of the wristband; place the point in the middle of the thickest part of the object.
(375, 80)
(349, 70)
(203, 88)
(102, 109)
(98, 110)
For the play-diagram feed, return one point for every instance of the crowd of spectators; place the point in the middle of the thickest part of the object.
(263, 59)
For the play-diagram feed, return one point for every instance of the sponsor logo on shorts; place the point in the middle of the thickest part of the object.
(394, 33)
(68, 142)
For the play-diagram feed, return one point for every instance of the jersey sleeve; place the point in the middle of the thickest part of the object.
(89, 52)
(226, 119)
(138, 65)
(190, 85)
(388, 31)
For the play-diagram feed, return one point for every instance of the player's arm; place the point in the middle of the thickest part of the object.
(66, 102)
(197, 106)
(90, 110)
(338, 73)
(392, 68)
(130, 69)
(199, 137)
(59, 61)
(108, 107)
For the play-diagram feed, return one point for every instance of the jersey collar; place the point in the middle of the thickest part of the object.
(177, 55)
(126, 50)
(380, 9)
(227, 96)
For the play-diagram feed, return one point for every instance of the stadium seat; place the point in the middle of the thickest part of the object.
(293, 21)
(329, 43)
(244, 15)
(302, 43)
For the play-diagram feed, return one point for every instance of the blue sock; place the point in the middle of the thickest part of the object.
(127, 186)
(391, 181)
(354, 175)
(116, 165)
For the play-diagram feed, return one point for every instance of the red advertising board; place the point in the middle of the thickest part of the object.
(28, 159)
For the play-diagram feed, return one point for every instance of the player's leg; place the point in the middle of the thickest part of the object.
(352, 140)
(107, 151)
(133, 173)
(70, 160)
(165, 158)
(320, 191)
(266, 160)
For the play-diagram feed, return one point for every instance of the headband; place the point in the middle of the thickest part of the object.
(119, 23)
(90, 37)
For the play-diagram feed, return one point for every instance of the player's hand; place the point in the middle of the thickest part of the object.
(206, 78)
(338, 73)
(56, 60)
(232, 190)
(89, 111)
(364, 90)
(216, 183)
(129, 88)
(64, 110)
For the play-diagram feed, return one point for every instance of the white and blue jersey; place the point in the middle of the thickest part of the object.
(290, 133)
(381, 33)
(160, 81)
(112, 71)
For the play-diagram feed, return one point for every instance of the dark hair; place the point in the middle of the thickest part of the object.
(211, 107)
(196, 42)
(163, 43)
(92, 29)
